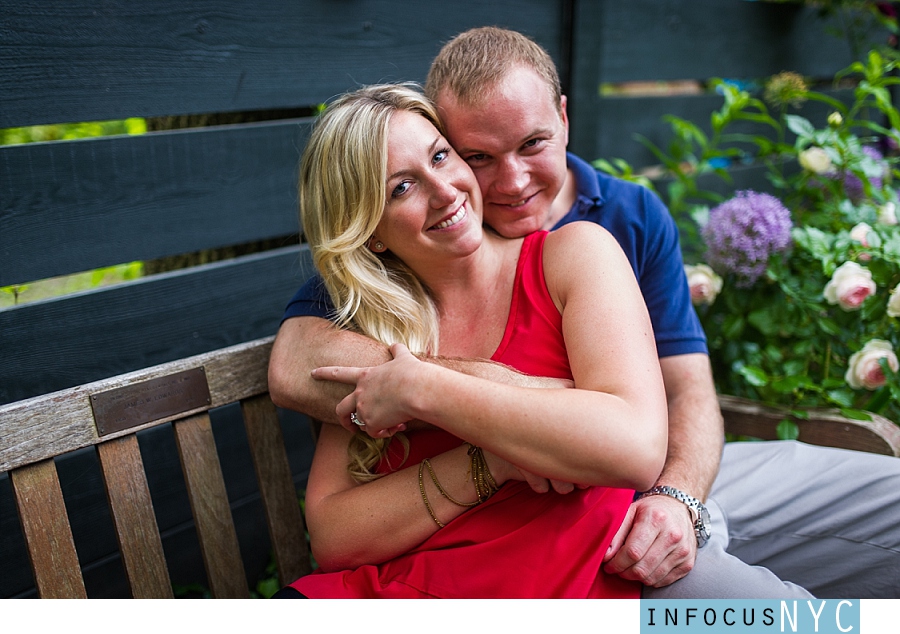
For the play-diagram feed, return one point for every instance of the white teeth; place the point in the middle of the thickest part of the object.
(518, 204)
(452, 220)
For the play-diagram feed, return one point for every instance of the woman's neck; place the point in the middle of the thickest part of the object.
(473, 298)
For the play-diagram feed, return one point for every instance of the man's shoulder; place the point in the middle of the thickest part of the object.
(611, 193)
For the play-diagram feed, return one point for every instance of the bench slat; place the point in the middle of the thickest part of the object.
(135, 521)
(286, 526)
(46, 526)
(209, 504)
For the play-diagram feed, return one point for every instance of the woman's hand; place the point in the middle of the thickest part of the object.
(381, 398)
(503, 471)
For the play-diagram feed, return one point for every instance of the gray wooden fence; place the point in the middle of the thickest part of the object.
(72, 206)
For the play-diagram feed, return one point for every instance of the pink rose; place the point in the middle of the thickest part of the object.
(893, 307)
(864, 371)
(860, 233)
(849, 287)
(705, 285)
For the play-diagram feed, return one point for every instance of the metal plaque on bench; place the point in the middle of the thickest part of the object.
(154, 399)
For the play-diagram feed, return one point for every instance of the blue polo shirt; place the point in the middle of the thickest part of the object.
(641, 224)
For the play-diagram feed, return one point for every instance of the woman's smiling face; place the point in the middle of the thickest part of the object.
(433, 205)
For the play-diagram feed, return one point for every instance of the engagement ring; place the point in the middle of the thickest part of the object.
(356, 420)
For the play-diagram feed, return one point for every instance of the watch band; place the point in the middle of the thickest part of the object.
(699, 513)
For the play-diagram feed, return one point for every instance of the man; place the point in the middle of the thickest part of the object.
(499, 96)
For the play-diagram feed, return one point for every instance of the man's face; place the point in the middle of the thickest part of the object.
(516, 144)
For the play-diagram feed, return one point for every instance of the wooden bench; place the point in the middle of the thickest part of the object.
(107, 415)
(256, 73)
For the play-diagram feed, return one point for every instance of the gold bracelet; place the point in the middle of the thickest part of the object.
(425, 497)
(485, 485)
(434, 479)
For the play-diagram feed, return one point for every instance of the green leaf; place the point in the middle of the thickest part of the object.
(787, 430)
(733, 326)
(828, 326)
(754, 375)
(763, 321)
(799, 126)
(787, 385)
(855, 414)
(841, 398)
(879, 399)
(267, 587)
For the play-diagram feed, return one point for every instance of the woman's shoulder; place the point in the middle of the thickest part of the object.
(579, 254)
(579, 239)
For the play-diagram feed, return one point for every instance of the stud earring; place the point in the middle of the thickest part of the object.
(378, 246)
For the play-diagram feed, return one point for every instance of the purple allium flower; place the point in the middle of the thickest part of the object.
(853, 186)
(743, 232)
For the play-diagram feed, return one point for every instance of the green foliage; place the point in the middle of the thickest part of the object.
(68, 131)
(781, 340)
(53, 287)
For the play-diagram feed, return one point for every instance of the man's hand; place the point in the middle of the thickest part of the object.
(655, 545)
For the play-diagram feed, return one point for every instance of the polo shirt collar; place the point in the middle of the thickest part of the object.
(586, 183)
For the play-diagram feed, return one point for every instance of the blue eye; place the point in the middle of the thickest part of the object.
(440, 156)
(400, 189)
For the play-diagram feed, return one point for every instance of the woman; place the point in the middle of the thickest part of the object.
(393, 217)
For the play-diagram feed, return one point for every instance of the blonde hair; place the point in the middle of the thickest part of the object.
(470, 65)
(343, 175)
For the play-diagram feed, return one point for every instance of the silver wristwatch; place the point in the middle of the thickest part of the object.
(699, 514)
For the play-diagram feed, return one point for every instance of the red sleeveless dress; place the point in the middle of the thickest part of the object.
(518, 544)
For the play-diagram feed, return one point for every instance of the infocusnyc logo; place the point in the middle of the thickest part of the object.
(757, 616)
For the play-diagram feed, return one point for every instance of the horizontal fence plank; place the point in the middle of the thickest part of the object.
(80, 61)
(623, 120)
(653, 40)
(55, 344)
(696, 39)
(100, 202)
(53, 424)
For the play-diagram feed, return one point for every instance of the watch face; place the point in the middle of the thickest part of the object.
(702, 527)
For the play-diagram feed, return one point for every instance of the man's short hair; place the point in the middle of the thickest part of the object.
(471, 64)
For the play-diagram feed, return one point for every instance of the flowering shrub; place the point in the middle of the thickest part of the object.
(744, 232)
(808, 299)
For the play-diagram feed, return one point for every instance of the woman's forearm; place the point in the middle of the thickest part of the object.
(379, 520)
(580, 436)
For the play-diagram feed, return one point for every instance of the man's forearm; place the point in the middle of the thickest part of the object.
(306, 343)
(497, 372)
(696, 431)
